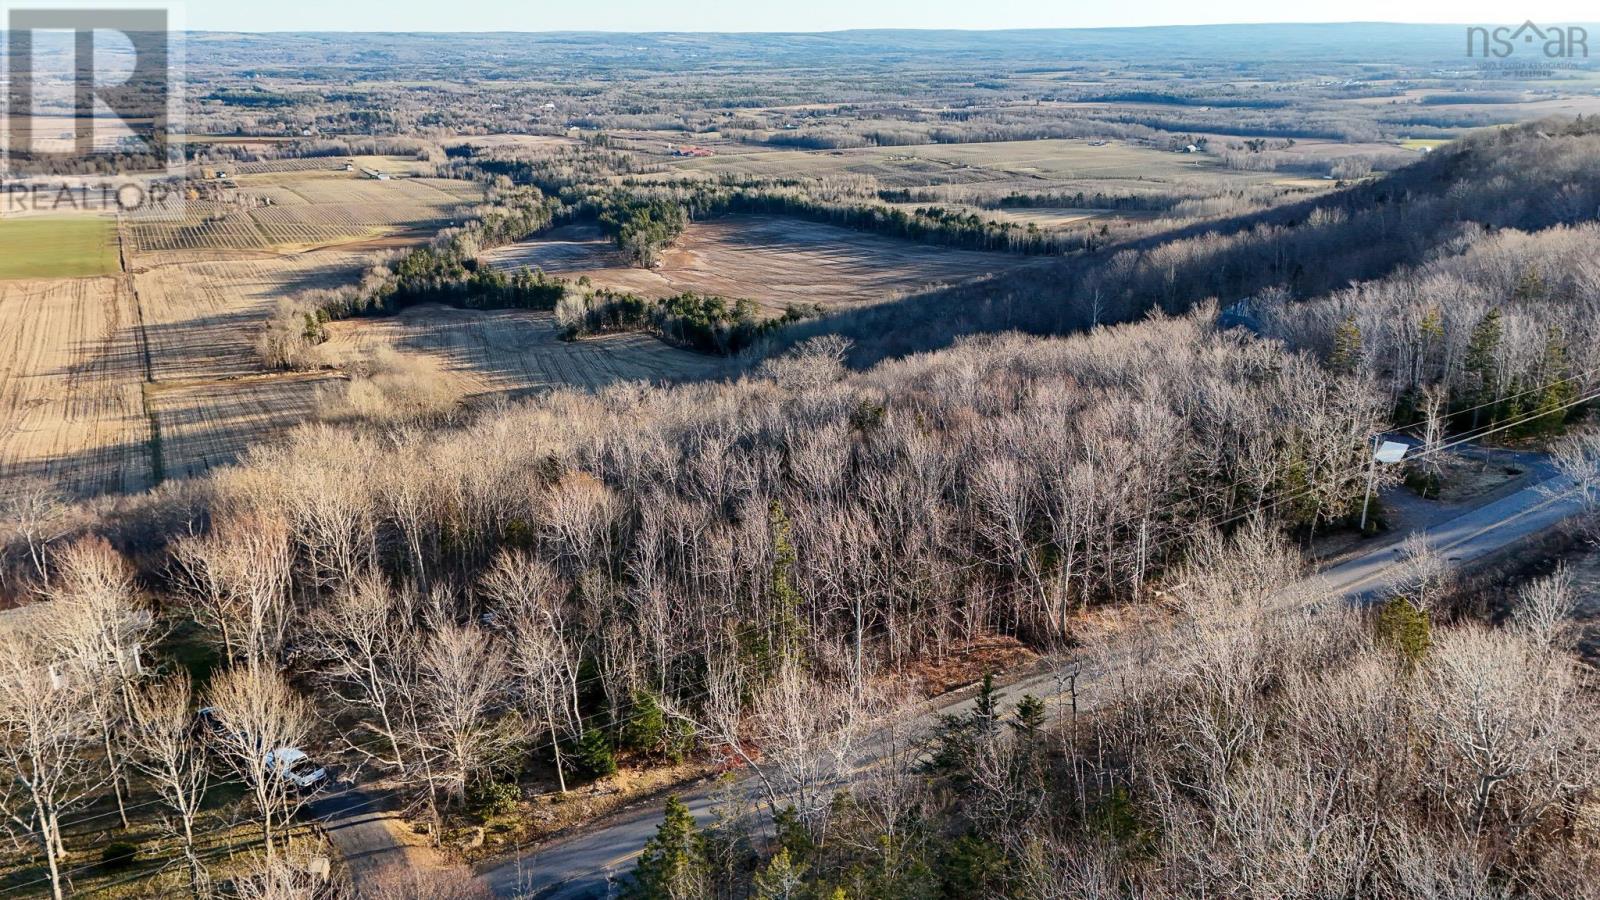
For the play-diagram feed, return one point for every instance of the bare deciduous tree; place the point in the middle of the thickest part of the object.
(47, 747)
(237, 582)
(544, 656)
(95, 628)
(1543, 612)
(166, 751)
(34, 510)
(1425, 574)
(1434, 427)
(1578, 458)
(808, 732)
(1497, 712)
(462, 689)
(365, 638)
(817, 362)
(257, 715)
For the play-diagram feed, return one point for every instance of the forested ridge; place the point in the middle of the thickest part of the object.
(1535, 178)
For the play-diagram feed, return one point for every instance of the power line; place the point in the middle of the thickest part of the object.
(67, 873)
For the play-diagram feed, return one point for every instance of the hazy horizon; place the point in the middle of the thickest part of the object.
(823, 16)
(930, 29)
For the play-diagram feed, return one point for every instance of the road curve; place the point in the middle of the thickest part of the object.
(585, 864)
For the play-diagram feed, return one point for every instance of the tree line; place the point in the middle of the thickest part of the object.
(708, 324)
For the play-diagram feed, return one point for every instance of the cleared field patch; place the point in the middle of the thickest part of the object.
(58, 247)
(202, 317)
(516, 352)
(211, 400)
(408, 166)
(71, 382)
(77, 357)
(1062, 160)
(307, 209)
(1045, 164)
(205, 424)
(521, 141)
(776, 261)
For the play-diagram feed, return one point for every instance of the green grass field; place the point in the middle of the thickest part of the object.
(75, 247)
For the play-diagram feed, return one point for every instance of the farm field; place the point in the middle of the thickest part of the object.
(957, 173)
(71, 380)
(516, 352)
(58, 247)
(301, 209)
(408, 166)
(81, 414)
(207, 423)
(523, 141)
(114, 383)
(1038, 165)
(202, 316)
(775, 261)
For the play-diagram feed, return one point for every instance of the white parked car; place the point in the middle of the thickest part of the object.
(292, 765)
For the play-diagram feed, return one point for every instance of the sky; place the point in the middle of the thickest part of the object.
(832, 15)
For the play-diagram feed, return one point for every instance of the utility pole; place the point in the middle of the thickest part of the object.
(1387, 452)
(1372, 477)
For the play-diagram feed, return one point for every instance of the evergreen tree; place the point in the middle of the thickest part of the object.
(986, 709)
(1405, 629)
(766, 646)
(1027, 723)
(780, 879)
(593, 755)
(1530, 286)
(1483, 363)
(972, 866)
(959, 735)
(793, 835)
(673, 865)
(645, 730)
(1430, 338)
(785, 597)
(1558, 391)
(1347, 347)
(1029, 718)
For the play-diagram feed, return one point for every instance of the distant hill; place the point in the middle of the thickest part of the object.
(1530, 178)
(1242, 45)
